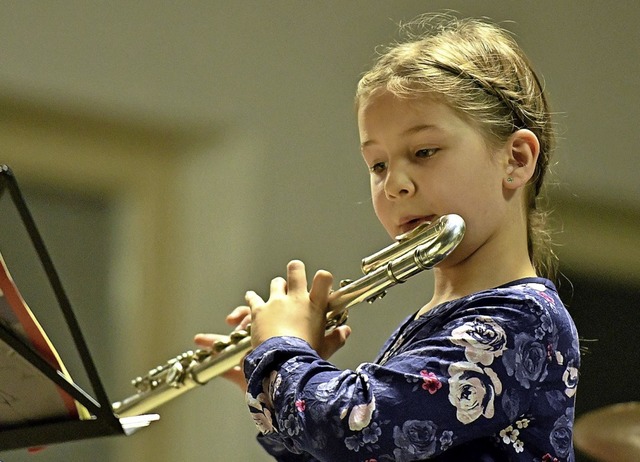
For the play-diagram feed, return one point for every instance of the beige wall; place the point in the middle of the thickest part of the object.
(228, 152)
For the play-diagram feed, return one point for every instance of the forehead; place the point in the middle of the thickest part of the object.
(384, 113)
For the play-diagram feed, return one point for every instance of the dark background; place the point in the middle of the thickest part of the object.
(607, 317)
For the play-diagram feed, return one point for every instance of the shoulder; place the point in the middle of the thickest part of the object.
(519, 305)
(522, 319)
(529, 291)
(525, 309)
(494, 315)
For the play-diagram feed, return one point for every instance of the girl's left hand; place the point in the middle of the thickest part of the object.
(291, 310)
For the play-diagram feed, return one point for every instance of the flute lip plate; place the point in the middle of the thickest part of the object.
(413, 232)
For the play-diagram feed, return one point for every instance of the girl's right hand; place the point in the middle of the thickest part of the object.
(239, 319)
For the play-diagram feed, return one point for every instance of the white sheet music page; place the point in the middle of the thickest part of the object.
(26, 394)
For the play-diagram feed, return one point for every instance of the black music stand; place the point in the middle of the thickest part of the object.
(34, 434)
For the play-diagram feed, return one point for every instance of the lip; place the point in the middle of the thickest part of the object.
(410, 222)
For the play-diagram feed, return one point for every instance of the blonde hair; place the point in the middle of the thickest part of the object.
(481, 72)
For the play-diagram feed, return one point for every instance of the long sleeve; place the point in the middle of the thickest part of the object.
(495, 371)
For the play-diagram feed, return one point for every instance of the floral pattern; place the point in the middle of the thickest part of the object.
(430, 382)
(495, 372)
(472, 390)
(415, 440)
(527, 361)
(483, 339)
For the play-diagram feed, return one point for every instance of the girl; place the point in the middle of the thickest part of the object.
(452, 121)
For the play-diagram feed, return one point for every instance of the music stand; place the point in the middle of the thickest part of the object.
(103, 421)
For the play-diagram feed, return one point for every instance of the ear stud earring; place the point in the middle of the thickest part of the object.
(509, 172)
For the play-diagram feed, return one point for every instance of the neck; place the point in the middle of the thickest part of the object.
(491, 265)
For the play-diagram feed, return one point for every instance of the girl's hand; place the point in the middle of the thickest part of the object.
(293, 311)
(334, 341)
(238, 318)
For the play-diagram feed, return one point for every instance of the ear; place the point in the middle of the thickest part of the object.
(522, 149)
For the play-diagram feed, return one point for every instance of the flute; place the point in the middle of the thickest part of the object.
(413, 252)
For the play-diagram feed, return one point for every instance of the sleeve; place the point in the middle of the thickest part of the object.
(440, 388)
(274, 446)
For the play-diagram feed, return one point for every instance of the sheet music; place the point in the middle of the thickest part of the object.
(26, 394)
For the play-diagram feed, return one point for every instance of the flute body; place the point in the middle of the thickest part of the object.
(420, 249)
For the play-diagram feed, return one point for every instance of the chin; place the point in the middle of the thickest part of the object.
(460, 255)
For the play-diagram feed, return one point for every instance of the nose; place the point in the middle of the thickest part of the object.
(398, 183)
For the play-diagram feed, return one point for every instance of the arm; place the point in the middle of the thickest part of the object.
(439, 386)
(400, 408)
(282, 321)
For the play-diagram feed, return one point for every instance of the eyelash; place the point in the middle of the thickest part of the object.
(430, 152)
(378, 167)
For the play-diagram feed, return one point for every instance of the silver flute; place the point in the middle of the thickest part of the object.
(413, 252)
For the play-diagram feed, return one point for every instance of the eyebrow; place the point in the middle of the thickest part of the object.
(408, 132)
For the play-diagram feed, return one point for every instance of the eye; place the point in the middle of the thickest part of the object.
(378, 167)
(426, 153)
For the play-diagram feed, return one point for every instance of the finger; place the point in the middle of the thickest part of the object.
(244, 323)
(334, 341)
(238, 315)
(296, 277)
(340, 335)
(278, 286)
(320, 288)
(209, 340)
(253, 299)
(236, 376)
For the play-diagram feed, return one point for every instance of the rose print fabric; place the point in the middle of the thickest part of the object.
(489, 377)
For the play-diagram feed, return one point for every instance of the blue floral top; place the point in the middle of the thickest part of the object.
(488, 377)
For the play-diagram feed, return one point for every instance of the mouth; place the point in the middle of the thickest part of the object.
(408, 224)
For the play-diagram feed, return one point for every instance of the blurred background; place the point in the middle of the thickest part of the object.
(177, 154)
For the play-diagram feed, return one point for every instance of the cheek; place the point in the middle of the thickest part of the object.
(475, 190)
(378, 205)
(381, 207)
(377, 195)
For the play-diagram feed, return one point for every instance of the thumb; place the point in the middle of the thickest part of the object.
(334, 341)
